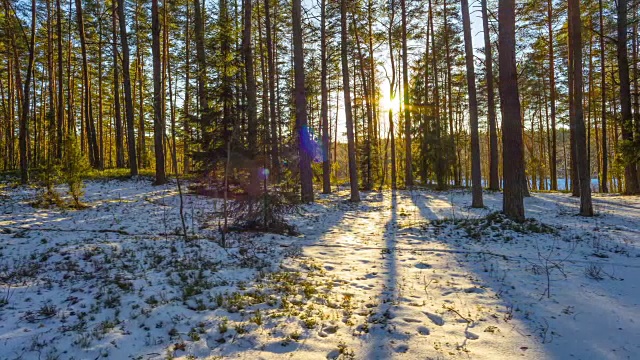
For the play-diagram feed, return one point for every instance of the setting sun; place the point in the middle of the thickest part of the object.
(390, 103)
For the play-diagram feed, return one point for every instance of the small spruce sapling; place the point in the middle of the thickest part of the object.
(50, 176)
(75, 165)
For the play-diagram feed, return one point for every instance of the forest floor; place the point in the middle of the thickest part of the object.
(415, 275)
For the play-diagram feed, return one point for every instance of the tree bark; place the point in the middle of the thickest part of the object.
(305, 150)
(440, 164)
(453, 160)
(552, 85)
(586, 208)
(408, 181)
(494, 179)
(60, 116)
(392, 95)
(476, 175)
(201, 75)
(252, 102)
(513, 152)
(275, 156)
(157, 96)
(128, 100)
(324, 101)
(94, 155)
(368, 96)
(116, 92)
(630, 172)
(603, 91)
(346, 88)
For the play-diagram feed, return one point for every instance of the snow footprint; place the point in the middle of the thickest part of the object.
(410, 320)
(423, 330)
(436, 319)
(471, 336)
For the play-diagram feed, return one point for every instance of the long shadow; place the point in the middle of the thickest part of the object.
(583, 318)
(607, 213)
(381, 334)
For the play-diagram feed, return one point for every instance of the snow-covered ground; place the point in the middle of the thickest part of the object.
(415, 275)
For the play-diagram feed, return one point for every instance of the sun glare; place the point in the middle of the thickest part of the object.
(390, 103)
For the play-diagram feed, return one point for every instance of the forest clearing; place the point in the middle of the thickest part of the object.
(418, 275)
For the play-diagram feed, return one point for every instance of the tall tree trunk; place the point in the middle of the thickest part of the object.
(494, 180)
(128, 100)
(368, 96)
(94, 155)
(440, 164)
(157, 96)
(252, 102)
(603, 92)
(346, 89)
(51, 111)
(201, 75)
(392, 95)
(116, 91)
(512, 144)
(476, 176)
(164, 76)
(586, 208)
(187, 94)
(452, 163)
(324, 101)
(630, 172)
(426, 114)
(100, 97)
(374, 98)
(24, 114)
(305, 149)
(60, 116)
(405, 91)
(552, 85)
(275, 157)
(141, 151)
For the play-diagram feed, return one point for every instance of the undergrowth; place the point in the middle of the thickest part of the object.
(495, 224)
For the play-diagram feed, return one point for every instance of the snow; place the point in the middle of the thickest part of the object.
(411, 274)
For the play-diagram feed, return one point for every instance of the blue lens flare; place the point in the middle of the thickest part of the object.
(311, 145)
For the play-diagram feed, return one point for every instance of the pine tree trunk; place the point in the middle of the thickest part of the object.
(252, 102)
(128, 101)
(476, 176)
(368, 96)
(60, 108)
(453, 160)
(440, 163)
(187, 94)
(141, 150)
(116, 92)
(324, 101)
(603, 90)
(552, 85)
(201, 75)
(494, 180)
(51, 111)
(630, 172)
(24, 114)
(512, 144)
(94, 156)
(586, 208)
(157, 96)
(392, 95)
(302, 131)
(405, 91)
(275, 152)
(351, 148)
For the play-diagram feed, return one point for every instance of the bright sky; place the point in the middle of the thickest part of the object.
(385, 101)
